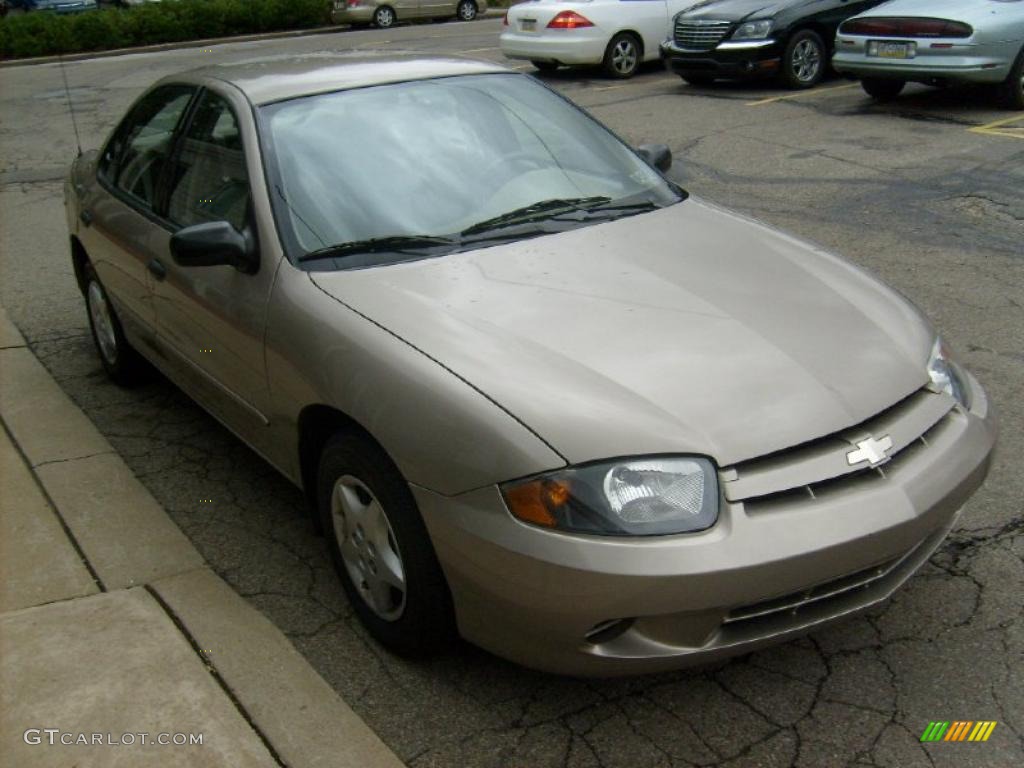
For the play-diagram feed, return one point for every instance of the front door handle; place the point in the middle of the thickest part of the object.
(158, 270)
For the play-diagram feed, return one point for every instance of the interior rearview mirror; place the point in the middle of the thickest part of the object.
(657, 155)
(212, 244)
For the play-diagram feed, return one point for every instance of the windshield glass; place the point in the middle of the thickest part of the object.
(426, 164)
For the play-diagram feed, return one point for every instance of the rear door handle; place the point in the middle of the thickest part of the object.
(156, 267)
(85, 217)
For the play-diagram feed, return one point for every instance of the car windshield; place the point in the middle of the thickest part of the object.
(420, 168)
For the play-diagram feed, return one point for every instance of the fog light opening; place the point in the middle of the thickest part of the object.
(608, 630)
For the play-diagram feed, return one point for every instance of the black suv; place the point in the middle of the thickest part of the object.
(789, 39)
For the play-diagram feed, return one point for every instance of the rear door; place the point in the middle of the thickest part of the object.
(212, 319)
(121, 230)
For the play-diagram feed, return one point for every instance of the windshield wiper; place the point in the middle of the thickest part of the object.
(533, 211)
(617, 208)
(392, 244)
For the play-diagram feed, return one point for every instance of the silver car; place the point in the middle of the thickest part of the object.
(387, 13)
(937, 43)
(531, 388)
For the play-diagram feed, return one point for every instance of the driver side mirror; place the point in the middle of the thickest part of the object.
(658, 155)
(213, 244)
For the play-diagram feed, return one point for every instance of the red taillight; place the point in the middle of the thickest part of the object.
(353, 3)
(884, 27)
(569, 20)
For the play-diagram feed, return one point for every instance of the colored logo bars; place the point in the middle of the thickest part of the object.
(959, 730)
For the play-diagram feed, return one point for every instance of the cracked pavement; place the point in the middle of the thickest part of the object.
(904, 190)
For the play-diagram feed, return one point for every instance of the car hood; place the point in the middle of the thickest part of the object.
(685, 330)
(736, 10)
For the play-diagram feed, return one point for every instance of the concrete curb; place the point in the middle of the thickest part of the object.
(118, 533)
(490, 13)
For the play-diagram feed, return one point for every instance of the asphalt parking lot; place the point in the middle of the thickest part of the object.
(928, 192)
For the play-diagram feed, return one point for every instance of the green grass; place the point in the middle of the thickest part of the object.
(42, 34)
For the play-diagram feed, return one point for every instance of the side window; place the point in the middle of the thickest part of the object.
(135, 158)
(210, 181)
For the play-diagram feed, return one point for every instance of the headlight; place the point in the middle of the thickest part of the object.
(753, 30)
(630, 497)
(946, 375)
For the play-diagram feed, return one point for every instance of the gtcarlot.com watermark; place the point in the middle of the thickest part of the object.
(54, 736)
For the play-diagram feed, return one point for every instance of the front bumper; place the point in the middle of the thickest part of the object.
(532, 595)
(730, 60)
(577, 47)
(962, 63)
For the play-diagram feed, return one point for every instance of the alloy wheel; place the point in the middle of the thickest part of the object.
(467, 10)
(624, 56)
(102, 322)
(806, 61)
(369, 549)
(384, 17)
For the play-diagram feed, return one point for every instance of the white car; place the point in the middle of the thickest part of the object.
(617, 34)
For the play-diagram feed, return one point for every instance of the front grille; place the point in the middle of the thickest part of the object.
(818, 469)
(700, 35)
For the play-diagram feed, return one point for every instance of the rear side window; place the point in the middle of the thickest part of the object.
(135, 158)
(210, 181)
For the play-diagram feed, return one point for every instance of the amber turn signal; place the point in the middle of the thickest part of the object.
(534, 502)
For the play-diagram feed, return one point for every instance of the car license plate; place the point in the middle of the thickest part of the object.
(884, 50)
(528, 25)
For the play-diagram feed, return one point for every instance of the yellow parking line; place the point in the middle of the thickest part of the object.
(1003, 127)
(801, 94)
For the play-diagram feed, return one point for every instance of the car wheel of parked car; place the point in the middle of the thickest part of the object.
(381, 548)
(622, 56)
(698, 80)
(466, 10)
(882, 89)
(120, 360)
(1013, 87)
(545, 66)
(803, 63)
(384, 17)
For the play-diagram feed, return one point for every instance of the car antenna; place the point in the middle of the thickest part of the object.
(71, 106)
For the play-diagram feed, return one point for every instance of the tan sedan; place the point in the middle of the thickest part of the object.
(532, 389)
(387, 13)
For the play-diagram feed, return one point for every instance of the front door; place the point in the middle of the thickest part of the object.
(211, 319)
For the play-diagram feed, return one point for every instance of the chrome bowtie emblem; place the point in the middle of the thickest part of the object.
(870, 450)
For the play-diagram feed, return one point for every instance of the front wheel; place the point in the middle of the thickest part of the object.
(881, 89)
(803, 63)
(122, 363)
(384, 17)
(622, 56)
(466, 10)
(1012, 89)
(381, 548)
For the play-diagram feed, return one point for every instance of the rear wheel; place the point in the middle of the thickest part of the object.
(1012, 89)
(622, 56)
(698, 80)
(803, 63)
(384, 17)
(466, 10)
(120, 360)
(881, 89)
(381, 548)
(545, 66)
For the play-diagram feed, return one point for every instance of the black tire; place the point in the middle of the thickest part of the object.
(623, 55)
(123, 364)
(698, 80)
(384, 17)
(805, 60)
(353, 466)
(466, 10)
(1011, 91)
(545, 66)
(881, 89)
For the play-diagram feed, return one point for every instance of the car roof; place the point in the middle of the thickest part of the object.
(277, 78)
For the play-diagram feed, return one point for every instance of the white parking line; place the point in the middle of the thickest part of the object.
(802, 94)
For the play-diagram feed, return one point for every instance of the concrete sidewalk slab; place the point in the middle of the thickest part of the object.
(302, 716)
(38, 563)
(126, 536)
(114, 663)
